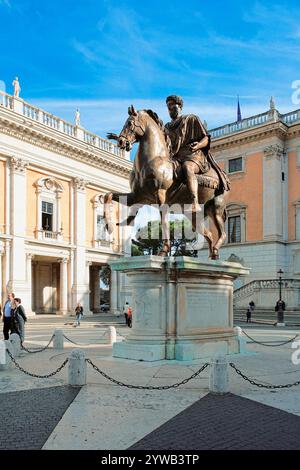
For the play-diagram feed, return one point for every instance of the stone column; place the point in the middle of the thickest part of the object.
(18, 277)
(273, 193)
(81, 281)
(63, 286)
(29, 258)
(113, 292)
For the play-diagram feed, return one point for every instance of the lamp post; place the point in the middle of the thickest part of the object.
(280, 304)
(280, 272)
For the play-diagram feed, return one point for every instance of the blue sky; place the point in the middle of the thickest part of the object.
(104, 55)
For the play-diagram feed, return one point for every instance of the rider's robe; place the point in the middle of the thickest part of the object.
(185, 130)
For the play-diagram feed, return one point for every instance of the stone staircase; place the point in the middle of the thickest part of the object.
(265, 293)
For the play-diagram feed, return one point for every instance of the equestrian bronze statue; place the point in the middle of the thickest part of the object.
(173, 166)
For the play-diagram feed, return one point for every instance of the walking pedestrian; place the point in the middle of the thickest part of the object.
(7, 319)
(79, 313)
(19, 318)
(125, 311)
(250, 310)
(129, 317)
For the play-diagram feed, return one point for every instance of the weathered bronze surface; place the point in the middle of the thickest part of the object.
(173, 165)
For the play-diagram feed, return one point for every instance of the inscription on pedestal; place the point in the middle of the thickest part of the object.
(206, 309)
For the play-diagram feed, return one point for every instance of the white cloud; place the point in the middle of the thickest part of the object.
(5, 3)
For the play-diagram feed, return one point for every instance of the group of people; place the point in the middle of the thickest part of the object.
(13, 317)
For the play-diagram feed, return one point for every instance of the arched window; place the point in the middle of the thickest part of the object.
(101, 235)
(236, 222)
(48, 196)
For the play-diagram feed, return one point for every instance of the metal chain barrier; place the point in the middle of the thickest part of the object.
(271, 345)
(38, 350)
(150, 387)
(258, 384)
(47, 376)
(83, 344)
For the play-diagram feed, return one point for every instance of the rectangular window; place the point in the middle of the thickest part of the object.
(47, 216)
(234, 229)
(235, 164)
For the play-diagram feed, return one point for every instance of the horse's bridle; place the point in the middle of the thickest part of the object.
(132, 132)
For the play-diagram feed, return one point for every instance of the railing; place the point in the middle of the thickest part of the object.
(48, 119)
(250, 287)
(31, 112)
(254, 121)
(291, 117)
(6, 100)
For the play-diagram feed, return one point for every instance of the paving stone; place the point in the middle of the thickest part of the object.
(28, 417)
(226, 422)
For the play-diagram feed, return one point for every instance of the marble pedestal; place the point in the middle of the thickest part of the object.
(182, 308)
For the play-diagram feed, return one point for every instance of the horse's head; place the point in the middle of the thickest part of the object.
(133, 129)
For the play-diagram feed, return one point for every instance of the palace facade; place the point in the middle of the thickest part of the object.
(53, 243)
(261, 155)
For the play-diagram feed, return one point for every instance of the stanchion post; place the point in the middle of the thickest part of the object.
(16, 344)
(7, 361)
(219, 377)
(112, 335)
(77, 368)
(58, 339)
(241, 340)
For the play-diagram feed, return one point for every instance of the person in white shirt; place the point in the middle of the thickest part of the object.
(7, 320)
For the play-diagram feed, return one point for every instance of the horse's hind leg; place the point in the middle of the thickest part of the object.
(218, 215)
(202, 230)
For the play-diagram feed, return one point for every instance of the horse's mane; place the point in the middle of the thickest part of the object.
(161, 125)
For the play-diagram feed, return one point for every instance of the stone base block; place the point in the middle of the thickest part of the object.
(139, 352)
(188, 351)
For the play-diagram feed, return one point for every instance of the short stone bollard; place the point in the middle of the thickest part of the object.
(58, 339)
(219, 377)
(112, 335)
(7, 361)
(242, 341)
(16, 344)
(77, 368)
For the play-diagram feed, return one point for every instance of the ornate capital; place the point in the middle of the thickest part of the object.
(274, 151)
(29, 256)
(62, 260)
(18, 165)
(79, 184)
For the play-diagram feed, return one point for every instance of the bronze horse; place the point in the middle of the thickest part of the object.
(153, 179)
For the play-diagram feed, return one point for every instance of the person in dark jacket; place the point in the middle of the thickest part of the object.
(19, 319)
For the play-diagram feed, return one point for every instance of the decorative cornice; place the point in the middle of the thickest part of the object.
(18, 165)
(83, 152)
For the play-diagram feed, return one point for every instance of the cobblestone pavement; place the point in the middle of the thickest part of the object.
(28, 417)
(226, 422)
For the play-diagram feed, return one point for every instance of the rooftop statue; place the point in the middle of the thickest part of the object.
(17, 88)
(173, 165)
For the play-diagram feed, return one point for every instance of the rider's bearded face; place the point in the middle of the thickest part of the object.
(174, 109)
